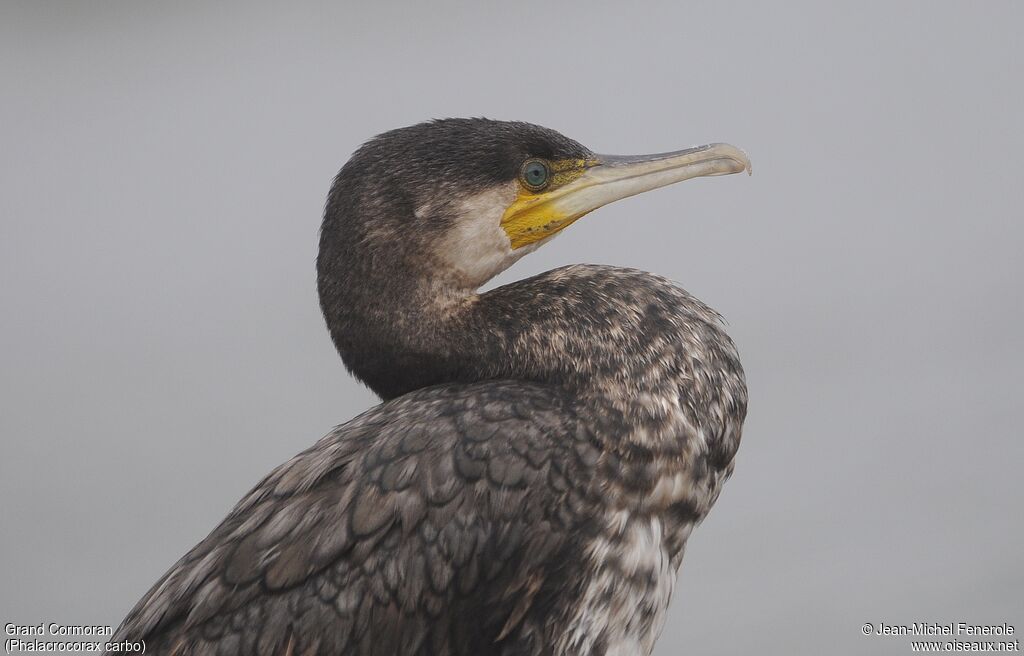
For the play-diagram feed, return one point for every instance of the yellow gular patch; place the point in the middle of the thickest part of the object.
(535, 215)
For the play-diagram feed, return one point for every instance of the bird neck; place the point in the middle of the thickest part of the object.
(635, 350)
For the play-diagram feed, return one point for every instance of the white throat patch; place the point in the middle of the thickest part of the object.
(477, 247)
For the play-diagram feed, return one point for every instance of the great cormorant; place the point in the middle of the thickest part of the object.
(543, 449)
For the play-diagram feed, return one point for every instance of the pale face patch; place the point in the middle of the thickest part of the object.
(477, 248)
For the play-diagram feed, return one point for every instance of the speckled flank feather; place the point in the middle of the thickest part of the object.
(530, 486)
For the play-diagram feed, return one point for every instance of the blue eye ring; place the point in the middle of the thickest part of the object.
(535, 174)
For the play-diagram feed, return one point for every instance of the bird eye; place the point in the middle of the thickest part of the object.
(535, 174)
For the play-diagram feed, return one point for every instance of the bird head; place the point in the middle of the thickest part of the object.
(457, 201)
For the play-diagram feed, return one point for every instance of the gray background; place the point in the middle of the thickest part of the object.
(162, 176)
